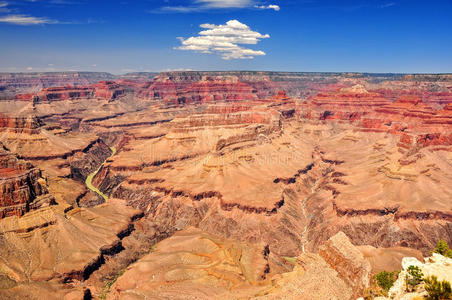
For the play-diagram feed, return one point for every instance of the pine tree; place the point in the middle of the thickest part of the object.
(443, 248)
(437, 290)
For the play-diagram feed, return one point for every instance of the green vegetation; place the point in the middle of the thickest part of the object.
(292, 260)
(372, 292)
(386, 279)
(89, 179)
(443, 248)
(414, 277)
(109, 284)
(380, 285)
(437, 290)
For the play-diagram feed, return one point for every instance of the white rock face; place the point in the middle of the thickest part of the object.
(437, 265)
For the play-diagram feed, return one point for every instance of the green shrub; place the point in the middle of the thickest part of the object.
(414, 277)
(443, 248)
(372, 292)
(437, 290)
(386, 279)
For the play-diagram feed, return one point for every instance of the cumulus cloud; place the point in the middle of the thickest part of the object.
(25, 20)
(225, 40)
(271, 6)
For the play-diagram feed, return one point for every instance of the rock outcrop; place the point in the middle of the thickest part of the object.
(348, 261)
(435, 265)
(20, 124)
(203, 266)
(22, 186)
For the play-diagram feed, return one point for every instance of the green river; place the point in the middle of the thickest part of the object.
(89, 179)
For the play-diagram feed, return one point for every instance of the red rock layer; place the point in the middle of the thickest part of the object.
(160, 89)
(106, 90)
(207, 86)
(345, 104)
(20, 185)
(418, 124)
(216, 89)
(227, 119)
(435, 99)
(208, 89)
(227, 108)
(64, 93)
(109, 90)
(431, 127)
(12, 84)
(20, 124)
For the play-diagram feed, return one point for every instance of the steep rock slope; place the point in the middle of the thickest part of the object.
(270, 165)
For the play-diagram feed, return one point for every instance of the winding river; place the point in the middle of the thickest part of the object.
(89, 179)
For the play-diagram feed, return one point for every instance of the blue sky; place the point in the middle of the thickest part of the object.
(155, 35)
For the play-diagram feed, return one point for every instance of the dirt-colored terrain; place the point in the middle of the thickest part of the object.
(223, 185)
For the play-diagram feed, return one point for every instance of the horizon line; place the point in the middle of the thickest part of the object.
(230, 71)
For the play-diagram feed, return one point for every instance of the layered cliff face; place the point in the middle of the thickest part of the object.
(110, 90)
(19, 83)
(207, 89)
(346, 103)
(211, 89)
(181, 87)
(241, 179)
(105, 90)
(22, 186)
(63, 93)
(20, 124)
(434, 90)
(419, 124)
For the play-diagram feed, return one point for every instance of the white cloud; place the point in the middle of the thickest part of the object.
(271, 6)
(203, 5)
(4, 7)
(225, 40)
(178, 9)
(224, 3)
(175, 70)
(29, 69)
(388, 5)
(25, 20)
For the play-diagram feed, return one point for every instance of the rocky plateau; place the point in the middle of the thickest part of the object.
(219, 185)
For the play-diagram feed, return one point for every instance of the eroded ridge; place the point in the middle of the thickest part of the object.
(237, 180)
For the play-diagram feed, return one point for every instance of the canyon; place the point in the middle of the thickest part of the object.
(227, 185)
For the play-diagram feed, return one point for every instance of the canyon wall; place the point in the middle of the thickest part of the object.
(247, 177)
(19, 83)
